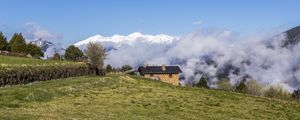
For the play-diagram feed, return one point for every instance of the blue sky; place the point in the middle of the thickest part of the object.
(78, 19)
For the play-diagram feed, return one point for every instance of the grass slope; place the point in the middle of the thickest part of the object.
(131, 97)
(10, 60)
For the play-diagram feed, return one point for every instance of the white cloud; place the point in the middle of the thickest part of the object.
(34, 31)
(198, 22)
(211, 52)
(133, 49)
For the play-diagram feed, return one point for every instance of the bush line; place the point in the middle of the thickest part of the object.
(28, 74)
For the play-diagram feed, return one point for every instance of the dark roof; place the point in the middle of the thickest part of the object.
(159, 70)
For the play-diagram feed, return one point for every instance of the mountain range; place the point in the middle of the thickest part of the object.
(212, 53)
(115, 41)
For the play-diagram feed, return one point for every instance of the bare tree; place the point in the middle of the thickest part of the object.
(96, 55)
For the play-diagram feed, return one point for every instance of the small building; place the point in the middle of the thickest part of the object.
(168, 74)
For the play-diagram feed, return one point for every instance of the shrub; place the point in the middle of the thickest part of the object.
(34, 50)
(241, 87)
(126, 67)
(56, 56)
(224, 84)
(253, 88)
(6, 53)
(296, 94)
(202, 82)
(277, 92)
(108, 68)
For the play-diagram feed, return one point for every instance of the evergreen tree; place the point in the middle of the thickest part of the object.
(202, 82)
(3, 42)
(108, 68)
(34, 51)
(73, 53)
(18, 44)
(12, 40)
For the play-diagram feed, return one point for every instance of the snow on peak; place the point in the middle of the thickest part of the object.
(134, 37)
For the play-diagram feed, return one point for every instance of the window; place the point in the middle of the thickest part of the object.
(170, 75)
(151, 75)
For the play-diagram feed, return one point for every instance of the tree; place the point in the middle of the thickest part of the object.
(18, 44)
(242, 88)
(108, 68)
(12, 41)
(202, 82)
(96, 55)
(34, 50)
(296, 94)
(73, 53)
(126, 67)
(3, 42)
(56, 56)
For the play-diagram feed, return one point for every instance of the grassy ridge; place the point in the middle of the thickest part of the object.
(130, 97)
(10, 60)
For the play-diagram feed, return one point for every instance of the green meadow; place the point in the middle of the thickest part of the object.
(10, 60)
(118, 96)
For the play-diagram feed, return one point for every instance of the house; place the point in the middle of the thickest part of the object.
(168, 74)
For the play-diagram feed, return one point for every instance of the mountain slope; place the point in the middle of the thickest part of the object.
(293, 36)
(44, 45)
(130, 97)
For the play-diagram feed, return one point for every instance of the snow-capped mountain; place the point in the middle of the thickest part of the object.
(47, 47)
(44, 45)
(130, 46)
(130, 39)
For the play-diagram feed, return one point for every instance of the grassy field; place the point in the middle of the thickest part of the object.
(9, 60)
(130, 97)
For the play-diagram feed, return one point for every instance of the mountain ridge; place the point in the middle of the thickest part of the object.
(136, 36)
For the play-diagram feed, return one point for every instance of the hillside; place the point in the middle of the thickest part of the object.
(10, 60)
(293, 37)
(130, 97)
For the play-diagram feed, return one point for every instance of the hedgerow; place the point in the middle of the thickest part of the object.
(23, 74)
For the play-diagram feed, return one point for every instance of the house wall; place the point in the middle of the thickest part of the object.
(165, 78)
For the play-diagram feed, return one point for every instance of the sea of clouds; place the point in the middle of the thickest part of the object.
(213, 52)
(210, 52)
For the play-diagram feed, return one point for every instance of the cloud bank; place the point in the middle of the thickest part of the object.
(34, 31)
(213, 52)
(44, 38)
